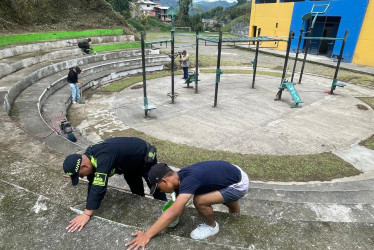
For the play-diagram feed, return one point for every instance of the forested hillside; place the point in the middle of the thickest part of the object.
(21, 16)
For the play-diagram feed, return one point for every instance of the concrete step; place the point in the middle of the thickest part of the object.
(308, 211)
(46, 220)
(340, 197)
(14, 58)
(47, 200)
(336, 185)
(14, 50)
(16, 63)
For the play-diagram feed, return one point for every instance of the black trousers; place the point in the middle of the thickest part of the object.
(135, 182)
(86, 49)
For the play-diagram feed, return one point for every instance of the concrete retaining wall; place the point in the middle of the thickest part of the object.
(7, 69)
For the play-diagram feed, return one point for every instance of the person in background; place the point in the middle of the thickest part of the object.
(85, 45)
(73, 82)
(185, 60)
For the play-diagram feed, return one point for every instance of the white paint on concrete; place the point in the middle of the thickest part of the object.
(40, 205)
(332, 212)
(360, 157)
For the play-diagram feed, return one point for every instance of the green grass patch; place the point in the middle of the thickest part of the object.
(369, 143)
(243, 71)
(205, 61)
(316, 167)
(34, 37)
(122, 84)
(208, 61)
(368, 100)
(118, 46)
(358, 78)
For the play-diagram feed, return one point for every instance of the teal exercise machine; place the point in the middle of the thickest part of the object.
(290, 86)
(146, 107)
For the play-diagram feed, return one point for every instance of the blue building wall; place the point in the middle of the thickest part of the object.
(352, 13)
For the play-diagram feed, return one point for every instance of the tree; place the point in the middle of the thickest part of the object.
(184, 7)
(196, 23)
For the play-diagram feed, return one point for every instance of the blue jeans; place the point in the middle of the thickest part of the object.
(75, 96)
(185, 72)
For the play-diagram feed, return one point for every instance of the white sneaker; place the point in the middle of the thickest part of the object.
(74, 102)
(204, 231)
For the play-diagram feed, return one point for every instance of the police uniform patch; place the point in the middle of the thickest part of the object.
(99, 179)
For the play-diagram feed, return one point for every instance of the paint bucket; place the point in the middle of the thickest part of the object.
(166, 206)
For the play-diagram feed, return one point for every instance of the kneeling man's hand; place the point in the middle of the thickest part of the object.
(141, 240)
(78, 223)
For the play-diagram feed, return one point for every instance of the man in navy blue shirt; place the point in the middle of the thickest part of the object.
(209, 182)
(130, 156)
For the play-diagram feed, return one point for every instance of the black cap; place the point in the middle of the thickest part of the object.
(156, 173)
(71, 167)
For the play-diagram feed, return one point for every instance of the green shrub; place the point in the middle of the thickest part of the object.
(137, 25)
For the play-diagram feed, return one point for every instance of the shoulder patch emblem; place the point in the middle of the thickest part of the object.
(99, 179)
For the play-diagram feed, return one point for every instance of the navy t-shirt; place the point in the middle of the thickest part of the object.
(207, 176)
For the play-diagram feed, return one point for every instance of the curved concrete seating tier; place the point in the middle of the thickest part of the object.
(57, 97)
(22, 56)
(36, 88)
(28, 80)
(14, 50)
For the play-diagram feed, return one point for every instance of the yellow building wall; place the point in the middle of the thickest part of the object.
(364, 53)
(266, 16)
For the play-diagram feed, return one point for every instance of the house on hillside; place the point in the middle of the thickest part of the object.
(147, 7)
(150, 8)
(161, 13)
(209, 23)
(278, 17)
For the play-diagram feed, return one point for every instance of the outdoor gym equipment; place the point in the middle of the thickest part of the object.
(340, 57)
(219, 40)
(309, 38)
(284, 83)
(146, 107)
(309, 32)
(191, 78)
(305, 18)
(172, 12)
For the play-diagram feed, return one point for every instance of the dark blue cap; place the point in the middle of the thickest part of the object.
(71, 167)
(156, 173)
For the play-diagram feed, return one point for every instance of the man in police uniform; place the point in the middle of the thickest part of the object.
(130, 156)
